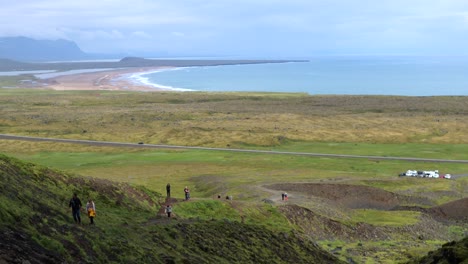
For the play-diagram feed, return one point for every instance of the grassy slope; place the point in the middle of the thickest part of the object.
(34, 217)
(432, 127)
(452, 252)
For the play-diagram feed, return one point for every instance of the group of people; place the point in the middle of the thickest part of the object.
(168, 209)
(76, 205)
(186, 192)
(284, 196)
(228, 197)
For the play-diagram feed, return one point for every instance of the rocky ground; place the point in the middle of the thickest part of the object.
(346, 197)
(327, 218)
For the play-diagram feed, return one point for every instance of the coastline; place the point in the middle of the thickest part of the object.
(112, 80)
(330, 77)
(125, 74)
(139, 79)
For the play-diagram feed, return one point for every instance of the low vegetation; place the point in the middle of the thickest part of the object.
(279, 121)
(452, 252)
(36, 226)
(403, 229)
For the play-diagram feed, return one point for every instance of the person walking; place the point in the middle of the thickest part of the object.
(168, 210)
(75, 205)
(91, 209)
(187, 193)
(168, 190)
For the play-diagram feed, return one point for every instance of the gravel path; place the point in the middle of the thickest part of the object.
(141, 145)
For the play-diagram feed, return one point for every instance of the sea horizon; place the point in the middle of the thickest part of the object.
(340, 75)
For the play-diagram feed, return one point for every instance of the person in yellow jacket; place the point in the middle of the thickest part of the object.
(91, 209)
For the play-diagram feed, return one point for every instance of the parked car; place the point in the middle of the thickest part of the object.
(424, 174)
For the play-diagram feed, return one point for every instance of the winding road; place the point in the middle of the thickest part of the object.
(140, 145)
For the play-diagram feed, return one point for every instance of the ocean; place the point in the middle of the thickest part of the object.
(347, 75)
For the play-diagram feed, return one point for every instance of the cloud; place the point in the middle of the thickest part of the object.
(177, 34)
(243, 26)
(141, 34)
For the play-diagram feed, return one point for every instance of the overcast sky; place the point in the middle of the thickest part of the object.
(253, 28)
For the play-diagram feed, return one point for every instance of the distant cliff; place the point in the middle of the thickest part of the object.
(27, 49)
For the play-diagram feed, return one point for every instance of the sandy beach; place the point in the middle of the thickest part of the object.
(101, 80)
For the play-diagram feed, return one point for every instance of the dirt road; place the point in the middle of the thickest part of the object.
(141, 145)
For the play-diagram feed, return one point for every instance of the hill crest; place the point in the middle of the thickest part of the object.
(36, 226)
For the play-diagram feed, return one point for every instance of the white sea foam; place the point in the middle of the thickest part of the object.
(140, 78)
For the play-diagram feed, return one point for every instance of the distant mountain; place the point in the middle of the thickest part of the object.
(27, 49)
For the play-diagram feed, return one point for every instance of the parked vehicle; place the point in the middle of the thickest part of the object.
(409, 173)
(425, 174)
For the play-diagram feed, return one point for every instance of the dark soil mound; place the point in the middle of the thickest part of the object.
(323, 228)
(455, 210)
(352, 196)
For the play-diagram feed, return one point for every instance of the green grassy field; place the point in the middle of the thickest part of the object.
(227, 172)
(423, 127)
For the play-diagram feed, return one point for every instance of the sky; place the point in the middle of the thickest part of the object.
(245, 28)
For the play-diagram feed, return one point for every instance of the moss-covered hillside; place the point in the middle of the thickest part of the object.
(36, 226)
(452, 252)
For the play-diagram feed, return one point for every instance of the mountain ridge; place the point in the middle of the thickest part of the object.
(28, 49)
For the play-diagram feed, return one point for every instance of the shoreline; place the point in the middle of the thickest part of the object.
(138, 79)
(117, 75)
(111, 80)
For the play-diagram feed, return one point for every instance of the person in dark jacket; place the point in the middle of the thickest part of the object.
(168, 190)
(75, 205)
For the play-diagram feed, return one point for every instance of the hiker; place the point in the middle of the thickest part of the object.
(168, 190)
(168, 210)
(285, 196)
(75, 204)
(282, 196)
(91, 209)
(187, 193)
